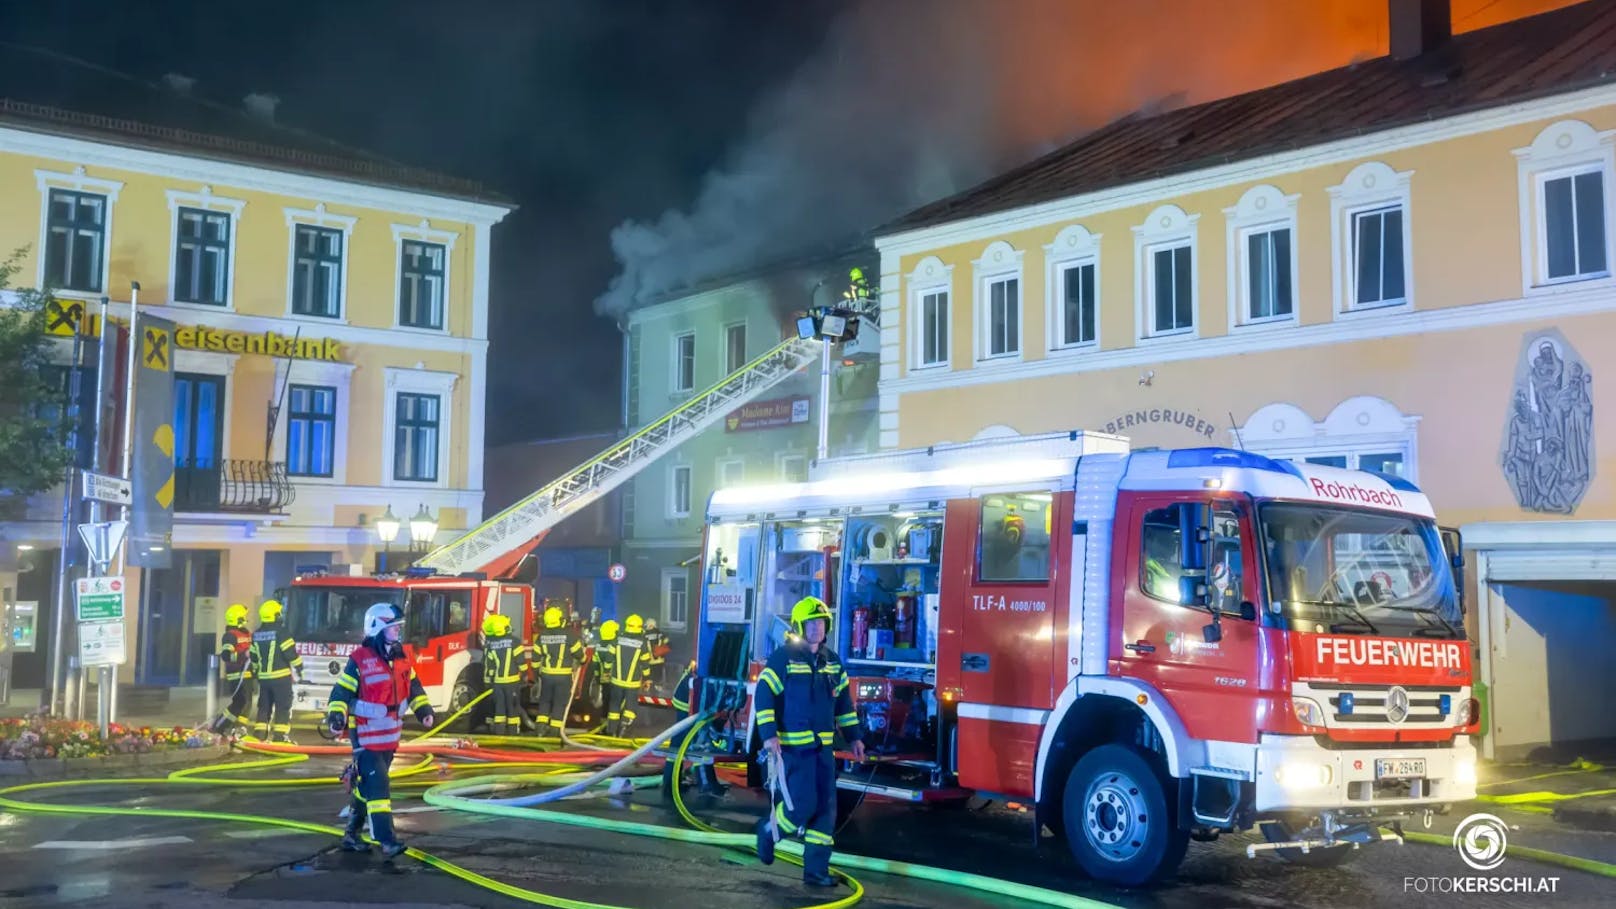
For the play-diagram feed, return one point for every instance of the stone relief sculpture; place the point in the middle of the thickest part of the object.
(1548, 453)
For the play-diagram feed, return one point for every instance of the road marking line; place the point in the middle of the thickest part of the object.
(105, 845)
(263, 834)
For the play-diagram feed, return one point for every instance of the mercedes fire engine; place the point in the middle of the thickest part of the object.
(1148, 646)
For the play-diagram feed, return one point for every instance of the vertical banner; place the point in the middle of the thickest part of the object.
(151, 526)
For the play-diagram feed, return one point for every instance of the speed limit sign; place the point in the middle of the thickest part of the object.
(617, 573)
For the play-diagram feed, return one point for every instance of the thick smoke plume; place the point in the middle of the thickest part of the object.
(912, 100)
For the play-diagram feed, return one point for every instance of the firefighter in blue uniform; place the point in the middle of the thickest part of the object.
(802, 699)
(556, 652)
(376, 686)
(274, 658)
(504, 661)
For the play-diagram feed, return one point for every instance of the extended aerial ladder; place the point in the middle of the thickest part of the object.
(497, 546)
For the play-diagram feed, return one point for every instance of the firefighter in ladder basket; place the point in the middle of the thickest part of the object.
(801, 702)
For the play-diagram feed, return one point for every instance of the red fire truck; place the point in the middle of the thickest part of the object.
(1147, 646)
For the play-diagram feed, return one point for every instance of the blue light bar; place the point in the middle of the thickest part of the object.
(1395, 481)
(1446, 703)
(1224, 457)
(1345, 703)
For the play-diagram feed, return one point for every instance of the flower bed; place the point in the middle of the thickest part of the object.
(43, 737)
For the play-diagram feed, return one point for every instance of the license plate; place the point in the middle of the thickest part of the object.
(1399, 768)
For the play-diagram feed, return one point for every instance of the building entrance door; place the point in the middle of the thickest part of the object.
(173, 649)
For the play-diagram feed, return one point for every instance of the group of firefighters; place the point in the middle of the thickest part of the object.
(802, 702)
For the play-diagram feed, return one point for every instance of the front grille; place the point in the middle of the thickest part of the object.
(1371, 703)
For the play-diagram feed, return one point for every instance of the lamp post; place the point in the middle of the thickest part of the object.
(423, 529)
(386, 528)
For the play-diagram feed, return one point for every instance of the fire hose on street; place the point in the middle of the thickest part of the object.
(564, 775)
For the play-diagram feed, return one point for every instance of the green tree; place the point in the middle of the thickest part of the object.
(33, 434)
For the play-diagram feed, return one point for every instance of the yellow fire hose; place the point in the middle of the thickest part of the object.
(452, 795)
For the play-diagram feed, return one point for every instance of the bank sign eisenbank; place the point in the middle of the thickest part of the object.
(268, 343)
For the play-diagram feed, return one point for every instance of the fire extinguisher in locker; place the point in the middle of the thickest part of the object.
(905, 636)
(861, 629)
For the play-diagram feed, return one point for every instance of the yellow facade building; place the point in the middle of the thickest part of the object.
(350, 293)
(1404, 266)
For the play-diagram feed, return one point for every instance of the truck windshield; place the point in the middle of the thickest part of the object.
(334, 615)
(1358, 572)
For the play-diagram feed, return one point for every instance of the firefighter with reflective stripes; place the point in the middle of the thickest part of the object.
(802, 699)
(557, 653)
(681, 691)
(235, 659)
(374, 688)
(274, 659)
(625, 666)
(504, 661)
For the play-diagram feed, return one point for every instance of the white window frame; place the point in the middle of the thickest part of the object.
(789, 457)
(930, 277)
(666, 588)
(729, 329)
(674, 510)
(340, 377)
(426, 382)
(674, 363)
(77, 181)
(1168, 227)
(204, 200)
(1562, 149)
(1357, 426)
(319, 217)
(1369, 186)
(723, 466)
(422, 233)
(1074, 247)
(999, 262)
(1261, 209)
(223, 365)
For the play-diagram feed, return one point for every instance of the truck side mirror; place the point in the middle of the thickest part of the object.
(1453, 544)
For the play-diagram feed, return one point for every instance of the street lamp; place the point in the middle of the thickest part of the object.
(423, 528)
(387, 529)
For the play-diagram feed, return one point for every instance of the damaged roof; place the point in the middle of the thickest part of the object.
(1548, 54)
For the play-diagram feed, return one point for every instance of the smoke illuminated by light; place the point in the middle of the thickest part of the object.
(913, 100)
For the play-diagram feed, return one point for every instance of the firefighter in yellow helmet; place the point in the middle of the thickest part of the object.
(234, 659)
(802, 699)
(556, 652)
(504, 662)
(274, 659)
(625, 666)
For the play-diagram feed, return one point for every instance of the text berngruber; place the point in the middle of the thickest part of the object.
(1352, 492)
(1380, 652)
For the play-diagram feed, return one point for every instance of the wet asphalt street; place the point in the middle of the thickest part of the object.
(53, 860)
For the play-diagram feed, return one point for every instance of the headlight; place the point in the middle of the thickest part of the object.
(1469, 712)
(1303, 775)
(1307, 711)
(1464, 772)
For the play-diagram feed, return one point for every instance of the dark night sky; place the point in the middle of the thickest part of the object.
(586, 112)
(656, 143)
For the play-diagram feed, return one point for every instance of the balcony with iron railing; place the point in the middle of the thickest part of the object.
(232, 486)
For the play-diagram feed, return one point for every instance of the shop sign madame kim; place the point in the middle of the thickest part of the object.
(1548, 449)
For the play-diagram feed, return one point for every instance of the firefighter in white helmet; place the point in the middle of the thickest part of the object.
(375, 687)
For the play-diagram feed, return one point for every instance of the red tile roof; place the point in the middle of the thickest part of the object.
(1551, 53)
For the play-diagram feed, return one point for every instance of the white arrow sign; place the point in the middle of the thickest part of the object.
(102, 488)
(102, 540)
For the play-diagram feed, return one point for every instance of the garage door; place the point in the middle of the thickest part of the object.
(1564, 565)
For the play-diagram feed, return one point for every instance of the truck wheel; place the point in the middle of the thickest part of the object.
(459, 696)
(1117, 819)
(1330, 857)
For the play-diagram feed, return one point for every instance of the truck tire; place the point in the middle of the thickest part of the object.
(1332, 857)
(1119, 821)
